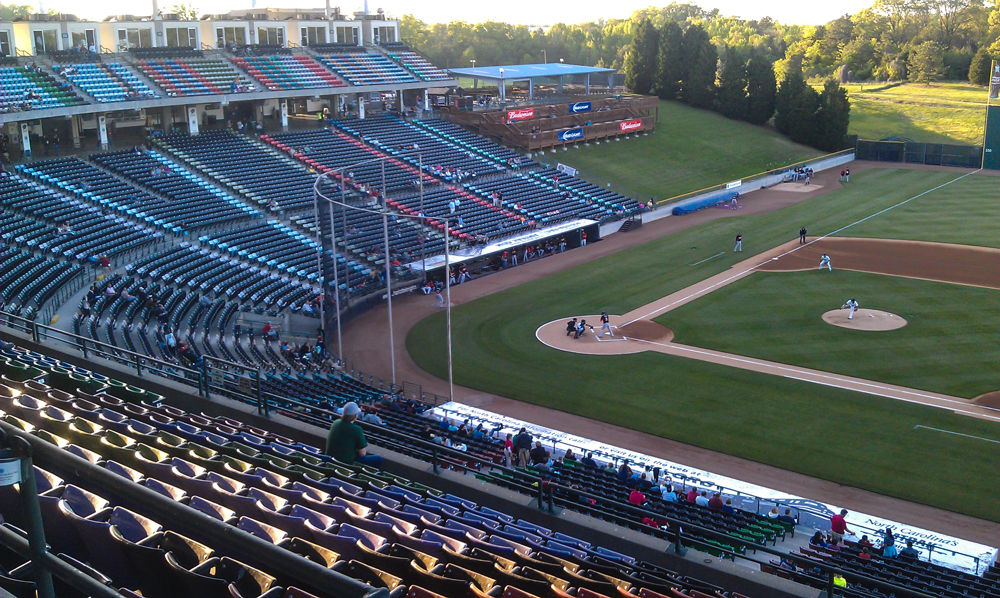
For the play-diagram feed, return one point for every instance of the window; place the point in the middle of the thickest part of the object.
(230, 35)
(271, 36)
(84, 39)
(4, 43)
(385, 35)
(182, 37)
(347, 35)
(313, 35)
(135, 38)
(45, 41)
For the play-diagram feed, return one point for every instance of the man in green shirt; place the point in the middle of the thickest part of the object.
(346, 440)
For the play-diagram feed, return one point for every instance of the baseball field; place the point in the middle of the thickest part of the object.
(871, 440)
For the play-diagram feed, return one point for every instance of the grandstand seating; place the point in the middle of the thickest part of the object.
(480, 145)
(194, 76)
(381, 529)
(183, 188)
(479, 217)
(106, 82)
(28, 281)
(90, 232)
(24, 89)
(280, 72)
(359, 67)
(616, 202)
(528, 197)
(416, 63)
(326, 150)
(245, 167)
(397, 138)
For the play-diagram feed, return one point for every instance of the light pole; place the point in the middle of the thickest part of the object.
(503, 96)
(545, 56)
(473, 61)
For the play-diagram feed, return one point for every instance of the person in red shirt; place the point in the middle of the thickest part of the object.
(637, 498)
(838, 526)
(715, 503)
(692, 495)
(105, 265)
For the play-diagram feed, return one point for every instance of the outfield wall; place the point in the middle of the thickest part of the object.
(943, 550)
(716, 196)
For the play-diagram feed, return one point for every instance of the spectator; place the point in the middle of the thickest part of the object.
(818, 539)
(371, 418)
(702, 499)
(569, 456)
(889, 549)
(773, 513)
(715, 503)
(909, 553)
(787, 564)
(539, 456)
(522, 447)
(588, 461)
(105, 266)
(624, 472)
(644, 483)
(838, 526)
(346, 440)
(864, 554)
(864, 541)
(788, 518)
(636, 497)
(728, 507)
(189, 355)
(270, 332)
(85, 308)
(508, 450)
(692, 495)
(669, 495)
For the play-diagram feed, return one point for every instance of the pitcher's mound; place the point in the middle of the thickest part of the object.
(864, 319)
(647, 330)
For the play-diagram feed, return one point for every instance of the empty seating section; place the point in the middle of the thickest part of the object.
(106, 82)
(364, 68)
(86, 231)
(246, 168)
(194, 76)
(27, 281)
(615, 202)
(196, 202)
(277, 247)
(22, 88)
(417, 64)
(280, 72)
(524, 196)
(323, 150)
(384, 530)
(459, 136)
(395, 137)
(479, 217)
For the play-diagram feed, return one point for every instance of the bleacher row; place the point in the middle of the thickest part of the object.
(179, 72)
(383, 530)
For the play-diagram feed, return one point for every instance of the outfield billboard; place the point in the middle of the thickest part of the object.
(520, 114)
(578, 107)
(627, 126)
(571, 134)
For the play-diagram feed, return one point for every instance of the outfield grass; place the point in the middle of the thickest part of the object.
(828, 433)
(753, 317)
(950, 113)
(690, 150)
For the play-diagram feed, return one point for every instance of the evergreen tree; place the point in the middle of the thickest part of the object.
(834, 117)
(791, 87)
(669, 61)
(640, 61)
(979, 70)
(701, 63)
(761, 89)
(731, 100)
(926, 64)
(803, 116)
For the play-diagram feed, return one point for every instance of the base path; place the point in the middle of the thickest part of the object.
(977, 266)
(366, 342)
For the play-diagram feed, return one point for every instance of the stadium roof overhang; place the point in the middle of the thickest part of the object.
(101, 108)
(521, 72)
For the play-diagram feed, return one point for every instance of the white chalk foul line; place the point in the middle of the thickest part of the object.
(708, 258)
(957, 434)
(791, 251)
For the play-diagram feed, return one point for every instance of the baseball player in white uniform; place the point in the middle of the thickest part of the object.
(606, 324)
(824, 260)
(851, 303)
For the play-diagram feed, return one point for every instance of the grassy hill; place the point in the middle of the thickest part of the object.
(940, 113)
(690, 150)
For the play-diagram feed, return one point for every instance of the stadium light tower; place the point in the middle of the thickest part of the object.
(503, 96)
(545, 56)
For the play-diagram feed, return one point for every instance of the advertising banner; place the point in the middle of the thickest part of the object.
(571, 135)
(520, 114)
(630, 125)
(578, 107)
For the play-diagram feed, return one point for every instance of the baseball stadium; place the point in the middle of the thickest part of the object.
(300, 303)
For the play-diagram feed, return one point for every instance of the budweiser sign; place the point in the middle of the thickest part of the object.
(523, 114)
(630, 125)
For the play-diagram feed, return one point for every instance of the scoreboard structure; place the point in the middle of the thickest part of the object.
(991, 136)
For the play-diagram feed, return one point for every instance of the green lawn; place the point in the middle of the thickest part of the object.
(690, 150)
(951, 113)
(947, 345)
(782, 422)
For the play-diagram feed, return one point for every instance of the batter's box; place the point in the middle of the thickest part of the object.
(610, 339)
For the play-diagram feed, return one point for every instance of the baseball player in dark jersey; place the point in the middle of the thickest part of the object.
(606, 324)
(739, 243)
(802, 236)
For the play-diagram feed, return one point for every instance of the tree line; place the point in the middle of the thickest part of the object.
(739, 83)
(921, 40)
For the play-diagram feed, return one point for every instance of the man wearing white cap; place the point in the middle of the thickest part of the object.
(346, 440)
